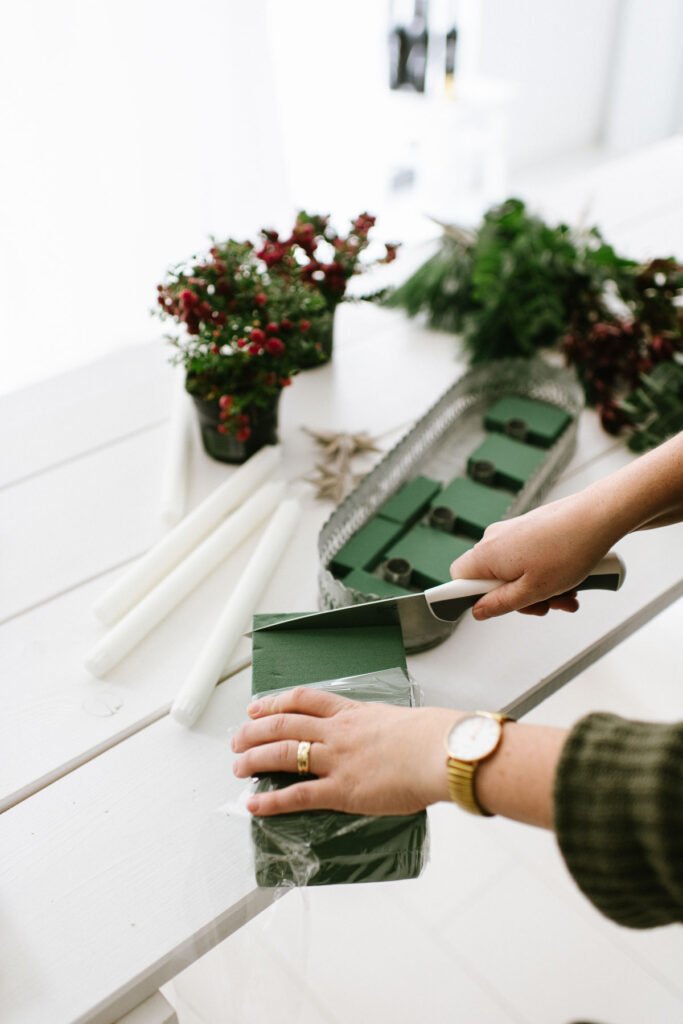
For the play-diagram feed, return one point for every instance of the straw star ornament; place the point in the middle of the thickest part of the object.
(335, 477)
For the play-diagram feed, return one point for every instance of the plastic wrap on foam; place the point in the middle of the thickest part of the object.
(330, 847)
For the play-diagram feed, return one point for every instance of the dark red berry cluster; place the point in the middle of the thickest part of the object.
(303, 253)
(610, 357)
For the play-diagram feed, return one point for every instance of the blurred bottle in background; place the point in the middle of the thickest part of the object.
(408, 44)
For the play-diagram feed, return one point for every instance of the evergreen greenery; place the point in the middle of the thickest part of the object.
(515, 286)
(518, 284)
(654, 411)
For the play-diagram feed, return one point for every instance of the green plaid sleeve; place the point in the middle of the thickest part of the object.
(619, 817)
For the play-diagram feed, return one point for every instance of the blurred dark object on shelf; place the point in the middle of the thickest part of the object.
(408, 44)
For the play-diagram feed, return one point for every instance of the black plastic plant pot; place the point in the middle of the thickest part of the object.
(263, 423)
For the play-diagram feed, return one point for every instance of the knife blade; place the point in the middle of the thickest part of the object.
(447, 603)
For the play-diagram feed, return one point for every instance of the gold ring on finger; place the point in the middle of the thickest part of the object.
(303, 754)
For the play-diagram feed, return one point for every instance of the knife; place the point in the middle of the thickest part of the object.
(445, 603)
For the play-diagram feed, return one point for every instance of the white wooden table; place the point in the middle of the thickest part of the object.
(118, 867)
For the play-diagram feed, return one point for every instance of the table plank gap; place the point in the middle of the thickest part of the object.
(66, 768)
(85, 453)
(547, 687)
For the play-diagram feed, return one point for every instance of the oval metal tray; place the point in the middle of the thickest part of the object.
(438, 446)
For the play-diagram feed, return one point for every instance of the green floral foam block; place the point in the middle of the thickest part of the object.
(527, 419)
(365, 548)
(500, 461)
(410, 501)
(473, 505)
(329, 847)
(430, 553)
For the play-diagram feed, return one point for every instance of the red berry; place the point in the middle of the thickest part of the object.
(215, 349)
(258, 336)
(260, 298)
(241, 342)
(363, 223)
(272, 327)
(254, 350)
(188, 298)
(243, 434)
(221, 428)
(225, 401)
(304, 325)
(274, 346)
(285, 382)
(286, 325)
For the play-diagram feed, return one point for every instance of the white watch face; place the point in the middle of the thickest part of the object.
(473, 737)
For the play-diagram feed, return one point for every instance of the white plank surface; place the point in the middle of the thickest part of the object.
(76, 412)
(116, 877)
(137, 827)
(55, 715)
(120, 871)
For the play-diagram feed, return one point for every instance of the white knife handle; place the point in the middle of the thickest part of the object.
(608, 574)
(455, 589)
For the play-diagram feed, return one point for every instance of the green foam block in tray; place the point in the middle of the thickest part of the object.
(329, 847)
(473, 505)
(430, 553)
(365, 548)
(410, 501)
(514, 462)
(540, 423)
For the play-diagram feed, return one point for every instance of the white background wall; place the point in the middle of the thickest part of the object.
(646, 95)
(558, 54)
(130, 130)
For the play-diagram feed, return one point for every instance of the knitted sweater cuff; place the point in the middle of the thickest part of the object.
(619, 817)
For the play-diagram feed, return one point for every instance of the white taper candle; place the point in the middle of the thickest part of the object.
(171, 549)
(177, 464)
(127, 633)
(236, 615)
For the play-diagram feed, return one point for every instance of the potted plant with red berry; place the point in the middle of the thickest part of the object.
(324, 260)
(244, 333)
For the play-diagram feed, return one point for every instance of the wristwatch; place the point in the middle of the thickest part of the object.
(471, 740)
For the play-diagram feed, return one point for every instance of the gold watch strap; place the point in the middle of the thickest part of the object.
(461, 776)
(461, 786)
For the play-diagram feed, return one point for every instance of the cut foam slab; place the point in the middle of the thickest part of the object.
(282, 659)
(410, 501)
(513, 462)
(430, 553)
(540, 423)
(473, 505)
(329, 847)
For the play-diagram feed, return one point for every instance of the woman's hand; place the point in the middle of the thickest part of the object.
(367, 758)
(542, 556)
